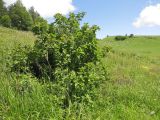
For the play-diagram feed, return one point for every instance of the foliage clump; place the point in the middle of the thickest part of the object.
(20, 18)
(105, 50)
(131, 35)
(120, 38)
(67, 55)
(5, 21)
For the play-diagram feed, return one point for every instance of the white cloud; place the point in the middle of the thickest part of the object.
(149, 16)
(47, 8)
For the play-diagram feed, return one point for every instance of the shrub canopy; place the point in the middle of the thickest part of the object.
(66, 53)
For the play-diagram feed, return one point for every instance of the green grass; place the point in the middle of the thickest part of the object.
(147, 46)
(131, 93)
(9, 39)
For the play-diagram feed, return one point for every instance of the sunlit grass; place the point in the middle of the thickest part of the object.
(131, 93)
(133, 90)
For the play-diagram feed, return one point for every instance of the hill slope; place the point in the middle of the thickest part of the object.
(9, 39)
(132, 93)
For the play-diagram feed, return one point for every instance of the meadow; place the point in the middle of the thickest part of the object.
(133, 90)
(131, 93)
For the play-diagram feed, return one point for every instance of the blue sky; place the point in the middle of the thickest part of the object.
(115, 17)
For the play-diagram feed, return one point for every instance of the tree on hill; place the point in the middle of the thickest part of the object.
(40, 25)
(3, 9)
(20, 17)
(4, 17)
(34, 14)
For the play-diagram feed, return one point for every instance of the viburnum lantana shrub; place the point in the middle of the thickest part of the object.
(67, 54)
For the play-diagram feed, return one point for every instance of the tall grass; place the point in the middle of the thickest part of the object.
(132, 93)
(133, 90)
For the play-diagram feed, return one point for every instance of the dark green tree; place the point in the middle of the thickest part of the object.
(4, 17)
(20, 17)
(3, 9)
(34, 14)
(5, 21)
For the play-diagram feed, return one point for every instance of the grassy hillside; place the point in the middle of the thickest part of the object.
(9, 39)
(132, 93)
(143, 46)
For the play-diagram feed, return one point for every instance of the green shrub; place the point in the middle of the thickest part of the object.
(40, 26)
(5, 21)
(105, 50)
(68, 46)
(18, 59)
(120, 38)
(131, 35)
(67, 55)
(23, 85)
(79, 86)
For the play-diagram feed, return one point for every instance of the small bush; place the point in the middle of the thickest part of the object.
(67, 55)
(23, 84)
(120, 38)
(5, 21)
(131, 35)
(105, 50)
(18, 59)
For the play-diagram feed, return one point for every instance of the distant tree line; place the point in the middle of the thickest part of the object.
(18, 17)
